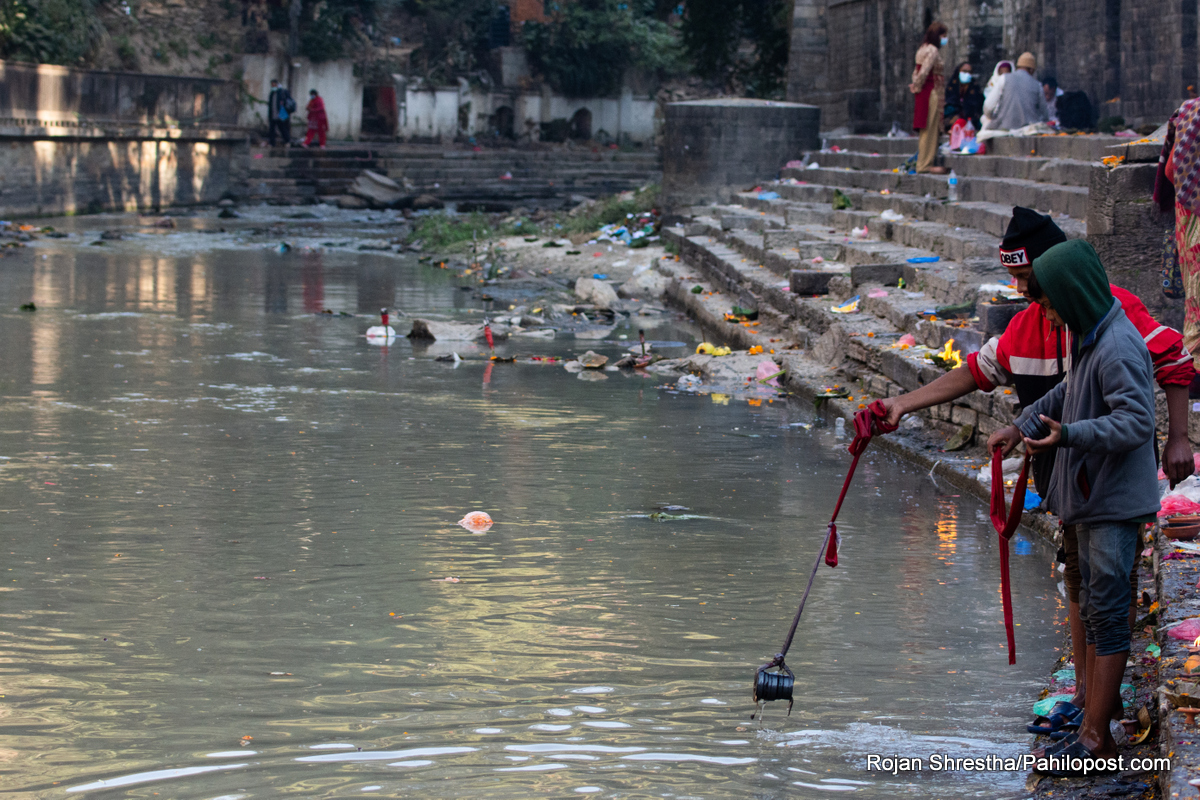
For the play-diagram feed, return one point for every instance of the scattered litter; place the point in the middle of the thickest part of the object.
(688, 383)
(924, 260)
(891, 216)
(877, 293)
(593, 360)
(817, 260)
(841, 201)
(849, 307)
(860, 233)
(768, 372)
(768, 195)
(476, 521)
(706, 349)
(813, 165)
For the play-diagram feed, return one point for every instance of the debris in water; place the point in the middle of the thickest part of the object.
(476, 522)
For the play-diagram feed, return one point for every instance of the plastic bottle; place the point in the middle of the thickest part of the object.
(824, 145)
(839, 427)
(952, 193)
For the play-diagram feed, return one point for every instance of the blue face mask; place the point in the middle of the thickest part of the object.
(945, 41)
(964, 77)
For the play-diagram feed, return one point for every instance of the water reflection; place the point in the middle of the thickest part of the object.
(230, 524)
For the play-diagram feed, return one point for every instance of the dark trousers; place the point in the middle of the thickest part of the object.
(285, 130)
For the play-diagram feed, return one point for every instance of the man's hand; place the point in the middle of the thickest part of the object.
(895, 410)
(1177, 460)
(1050, 442)
(1007, 437)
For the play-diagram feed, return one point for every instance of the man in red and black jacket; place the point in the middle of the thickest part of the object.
(1033, 356)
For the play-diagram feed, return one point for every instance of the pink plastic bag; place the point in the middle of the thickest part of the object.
(767, 369)
(1178, 504)
(1187, 630)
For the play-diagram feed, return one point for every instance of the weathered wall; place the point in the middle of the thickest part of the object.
(74, 141)
(47, 94)
(433, 113)
(713, 147)
(333, 80)
(853, 58)
(61, 175)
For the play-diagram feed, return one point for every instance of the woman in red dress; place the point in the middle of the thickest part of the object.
(318, 123)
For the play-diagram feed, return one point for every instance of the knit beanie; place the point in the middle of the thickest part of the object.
(1029, 235)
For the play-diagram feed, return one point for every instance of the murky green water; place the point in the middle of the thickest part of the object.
(228, 525)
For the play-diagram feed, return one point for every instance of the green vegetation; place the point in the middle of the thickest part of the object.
(48, 31)
(586, 49)
(740, 42)
(442, 232)
(612, 209)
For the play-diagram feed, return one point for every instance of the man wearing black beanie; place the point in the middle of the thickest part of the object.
(1032, 355)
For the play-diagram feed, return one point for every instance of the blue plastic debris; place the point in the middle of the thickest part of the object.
(768, 195)
(600, 276)
(924, 260)
(1031, 499)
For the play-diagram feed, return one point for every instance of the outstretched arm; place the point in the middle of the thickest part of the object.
(951, 386)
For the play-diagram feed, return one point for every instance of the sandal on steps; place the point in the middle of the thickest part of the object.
(1075, 760)
(1062, 715)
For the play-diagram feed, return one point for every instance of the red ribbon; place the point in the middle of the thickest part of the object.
(1005, 521)
(867, 423)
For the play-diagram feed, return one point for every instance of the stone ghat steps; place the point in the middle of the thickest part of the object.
(865, 338)
(989, 218)
(1049, 197)
(1065, 171)
(1088, 147)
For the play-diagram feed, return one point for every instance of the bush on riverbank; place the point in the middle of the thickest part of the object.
(455, 232)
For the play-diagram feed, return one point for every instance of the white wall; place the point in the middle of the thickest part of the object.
(432, 112)
(333, 80)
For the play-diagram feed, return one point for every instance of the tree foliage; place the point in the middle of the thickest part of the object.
(588, 46)
(48, 31)
(455, 40)
(739, 42)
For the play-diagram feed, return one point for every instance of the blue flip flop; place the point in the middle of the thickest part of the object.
(1063, 715)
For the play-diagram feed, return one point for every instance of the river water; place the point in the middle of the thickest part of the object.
(232, 567)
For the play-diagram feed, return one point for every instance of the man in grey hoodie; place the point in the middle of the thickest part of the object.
(1104, 482)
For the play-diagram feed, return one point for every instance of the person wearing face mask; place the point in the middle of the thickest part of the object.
(964, 99)
(929, 86)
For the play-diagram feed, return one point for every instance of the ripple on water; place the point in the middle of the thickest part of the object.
(607, 724)
(148, 777)
(388, 755)
(728, 761)
(533, 768)
(489, 731)
(559, 712)
(542, 726)
(420, 762)
(593, 690)
(591, 709)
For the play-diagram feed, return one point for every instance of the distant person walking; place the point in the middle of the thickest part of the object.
(1018, 101)
(318, 123)
(1177, 188)
(929, 86)
(280, 107)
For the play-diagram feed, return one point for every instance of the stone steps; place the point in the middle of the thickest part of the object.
(1065, 171)
(1088, 147)
(1047, 197)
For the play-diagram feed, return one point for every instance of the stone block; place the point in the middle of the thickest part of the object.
(830, 349)
(810, 281)
(779, 239)
(961, 415)
(994, 317)
(985, 426)
(886, 274)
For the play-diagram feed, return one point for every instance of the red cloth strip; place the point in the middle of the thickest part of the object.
(1005, 521)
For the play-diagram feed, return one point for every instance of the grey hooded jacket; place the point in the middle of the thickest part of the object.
(1105, 470)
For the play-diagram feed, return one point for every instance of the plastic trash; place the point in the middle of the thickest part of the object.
(768, 195)
(891, 216)
(849, 307)
(1187, 630)
(476, 522)
(952, 189)
(813, 165)
(688, 383)
(860, 233)
(768, 372)
(924, 260)
(839, 427)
